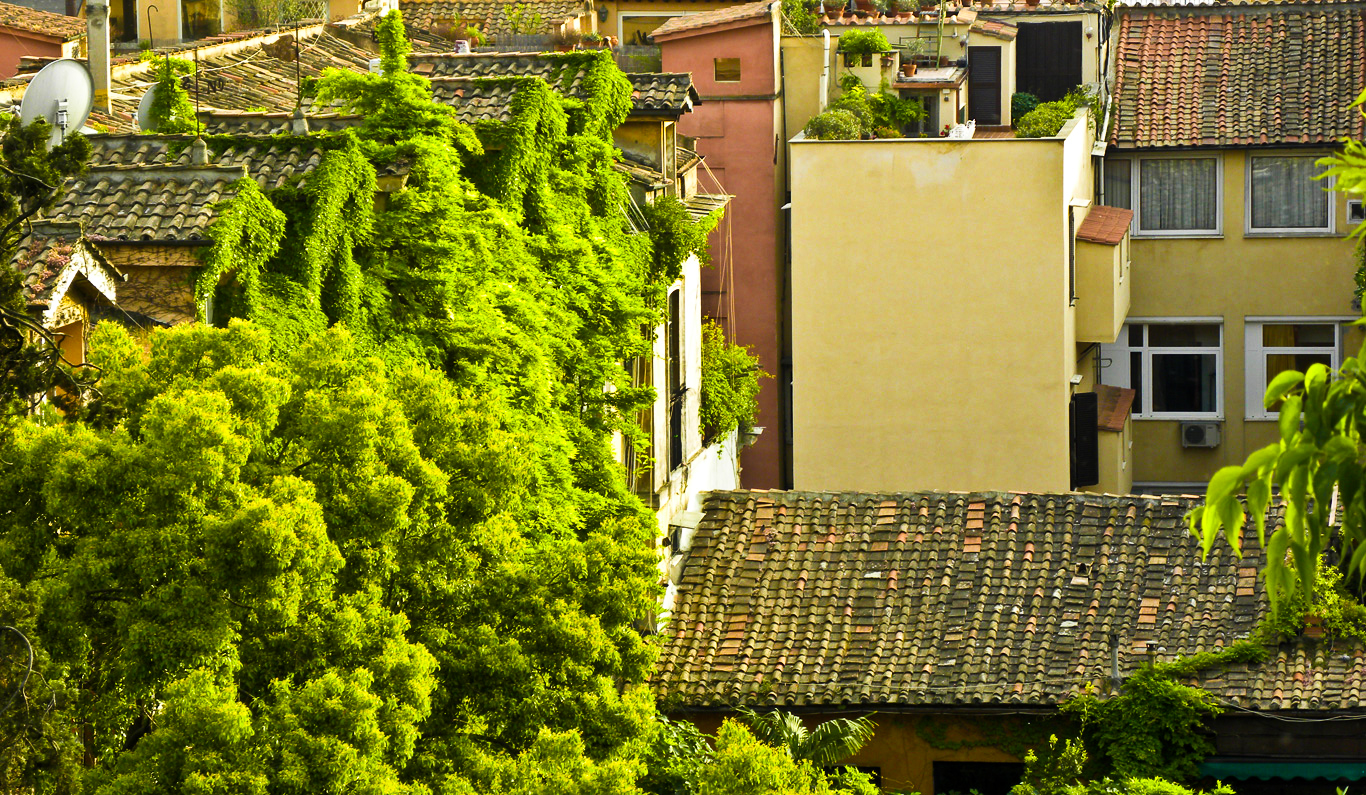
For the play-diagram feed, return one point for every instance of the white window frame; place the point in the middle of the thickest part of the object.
(1121, 347)
(1295, 231)
(1136, 199)
(1254, 357)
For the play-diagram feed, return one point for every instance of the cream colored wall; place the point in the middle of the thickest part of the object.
(662, 11)
(1233, 277)
(801, 60)
(931, 344)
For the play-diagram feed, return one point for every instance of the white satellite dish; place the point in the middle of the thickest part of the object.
(145, 121)
(62, 93)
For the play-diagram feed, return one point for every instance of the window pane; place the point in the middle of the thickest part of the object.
(1285, 195)
(1136, 335)
(1277, 363)
(727, 70)
(1184, 335)
(1184, 382)
(1136, 377)
(1117, 183)
(1178, 194)
(1298, 335)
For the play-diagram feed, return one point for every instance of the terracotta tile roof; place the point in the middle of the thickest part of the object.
(137, 204)
(1239, 75)
(455, 82)
(1115, 403)
(271, 161)
(47, 256)
(271, 122)
(996, 28)
(492, 16)
(943, 599)
(58, 26)
(1106, 225)
(733, 16)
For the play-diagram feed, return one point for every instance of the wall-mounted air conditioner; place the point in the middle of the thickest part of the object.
(1200, 434)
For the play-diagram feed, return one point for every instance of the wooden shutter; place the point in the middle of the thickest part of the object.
(1048, 59)
(1085, 441)
(984, 84)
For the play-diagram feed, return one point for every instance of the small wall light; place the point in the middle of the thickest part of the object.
(602, 17)
(1090, 32)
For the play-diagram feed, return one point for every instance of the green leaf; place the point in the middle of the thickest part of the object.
(1258, 496)
(1290, 417)
(1281, 385)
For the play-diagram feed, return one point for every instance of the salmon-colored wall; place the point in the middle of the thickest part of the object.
(737, 127)
(15, 44)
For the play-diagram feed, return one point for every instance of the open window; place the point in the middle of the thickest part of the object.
(1275, 345)
(1175, 366)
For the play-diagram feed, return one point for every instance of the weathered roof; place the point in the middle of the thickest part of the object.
(733, 16)
(271, 122)
(1239, 75)
(996, 28)
(456, 82)
(58, 26)
(137, 204)
(271, 161)
(948, 599)
(1107, 225)
(51, 255)
(493, 16)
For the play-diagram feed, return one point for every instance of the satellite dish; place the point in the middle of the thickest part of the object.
(62, 93)
(145, 121)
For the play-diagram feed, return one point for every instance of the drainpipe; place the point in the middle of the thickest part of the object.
(97, 49)
(825, 69)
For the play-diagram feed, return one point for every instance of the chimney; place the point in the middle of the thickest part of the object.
(97, 49)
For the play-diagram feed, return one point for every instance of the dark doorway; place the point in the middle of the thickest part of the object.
(986, 778)
(1048, 59)
(984, 84)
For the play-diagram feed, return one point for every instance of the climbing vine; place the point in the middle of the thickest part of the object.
(245, 236)
(171, 110)
(1156, 726)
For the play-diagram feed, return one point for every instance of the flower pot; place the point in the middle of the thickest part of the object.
(908, 69)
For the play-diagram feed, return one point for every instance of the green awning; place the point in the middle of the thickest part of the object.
(1350, 770)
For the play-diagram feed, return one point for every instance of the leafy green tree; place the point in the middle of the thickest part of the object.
(831, 742)
(31, 176)
(730, 384)
(1316, 463)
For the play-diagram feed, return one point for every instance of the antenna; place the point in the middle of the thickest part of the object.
(298, 71)
(62, 94)
(145, 121)
(197, 131)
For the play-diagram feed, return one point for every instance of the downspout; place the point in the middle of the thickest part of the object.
(825, 69)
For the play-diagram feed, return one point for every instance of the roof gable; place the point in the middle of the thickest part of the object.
(709, 21)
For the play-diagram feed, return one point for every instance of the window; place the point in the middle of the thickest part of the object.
(1176, 367)
(1280, 344)
(1283, 195)
(1170, 196)
(727, 70)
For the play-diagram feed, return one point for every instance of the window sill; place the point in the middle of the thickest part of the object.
(1178, 236)
(1178, 418)
(1274, 235)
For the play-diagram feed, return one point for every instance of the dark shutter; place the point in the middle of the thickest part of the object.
(1048, 59)
(984, 84)
(677, 388)
(1085, 441)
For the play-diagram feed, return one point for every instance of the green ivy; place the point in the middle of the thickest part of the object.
(864, 42)
(1156, 726)
(245, 236)
(171, 110)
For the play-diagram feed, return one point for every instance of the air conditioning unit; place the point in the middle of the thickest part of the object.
(1200, 434)
(1356, 211)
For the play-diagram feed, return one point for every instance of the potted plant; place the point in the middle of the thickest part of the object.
(592, 39)
(860, 45)
(834, 8)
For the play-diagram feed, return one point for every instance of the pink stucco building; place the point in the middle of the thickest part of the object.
(732, 54)
(26, 31)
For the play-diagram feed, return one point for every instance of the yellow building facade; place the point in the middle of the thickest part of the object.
(935, 338)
